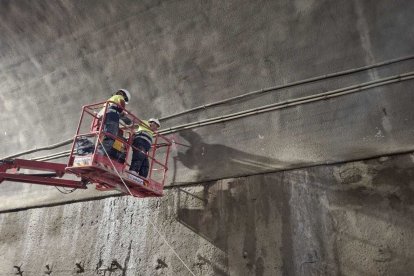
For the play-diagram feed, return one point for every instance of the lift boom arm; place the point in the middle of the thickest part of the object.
(9, 171)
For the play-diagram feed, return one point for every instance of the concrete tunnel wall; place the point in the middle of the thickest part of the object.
(242, 214)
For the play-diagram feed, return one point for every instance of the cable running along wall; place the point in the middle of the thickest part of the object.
(258, 110)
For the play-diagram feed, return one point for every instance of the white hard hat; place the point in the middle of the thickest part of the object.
(126, 93)
(153, 120)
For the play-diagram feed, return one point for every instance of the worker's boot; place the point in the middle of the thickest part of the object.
(132, 172)
(134, 168)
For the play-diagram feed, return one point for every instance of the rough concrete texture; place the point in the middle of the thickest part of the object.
(239, 216)
(349, 219)
(174, 55)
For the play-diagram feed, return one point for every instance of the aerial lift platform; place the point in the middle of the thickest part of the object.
(90, 163)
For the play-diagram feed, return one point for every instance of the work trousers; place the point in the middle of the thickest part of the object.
(139, 161)
(111, 125)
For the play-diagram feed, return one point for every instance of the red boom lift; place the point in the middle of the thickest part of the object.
(108, 171)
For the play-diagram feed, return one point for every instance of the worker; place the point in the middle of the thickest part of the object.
(142, 143)
(114, 113)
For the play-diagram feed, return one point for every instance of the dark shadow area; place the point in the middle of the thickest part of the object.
(215, 161)
(318, 201)
(231, 214)
(206, 222)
